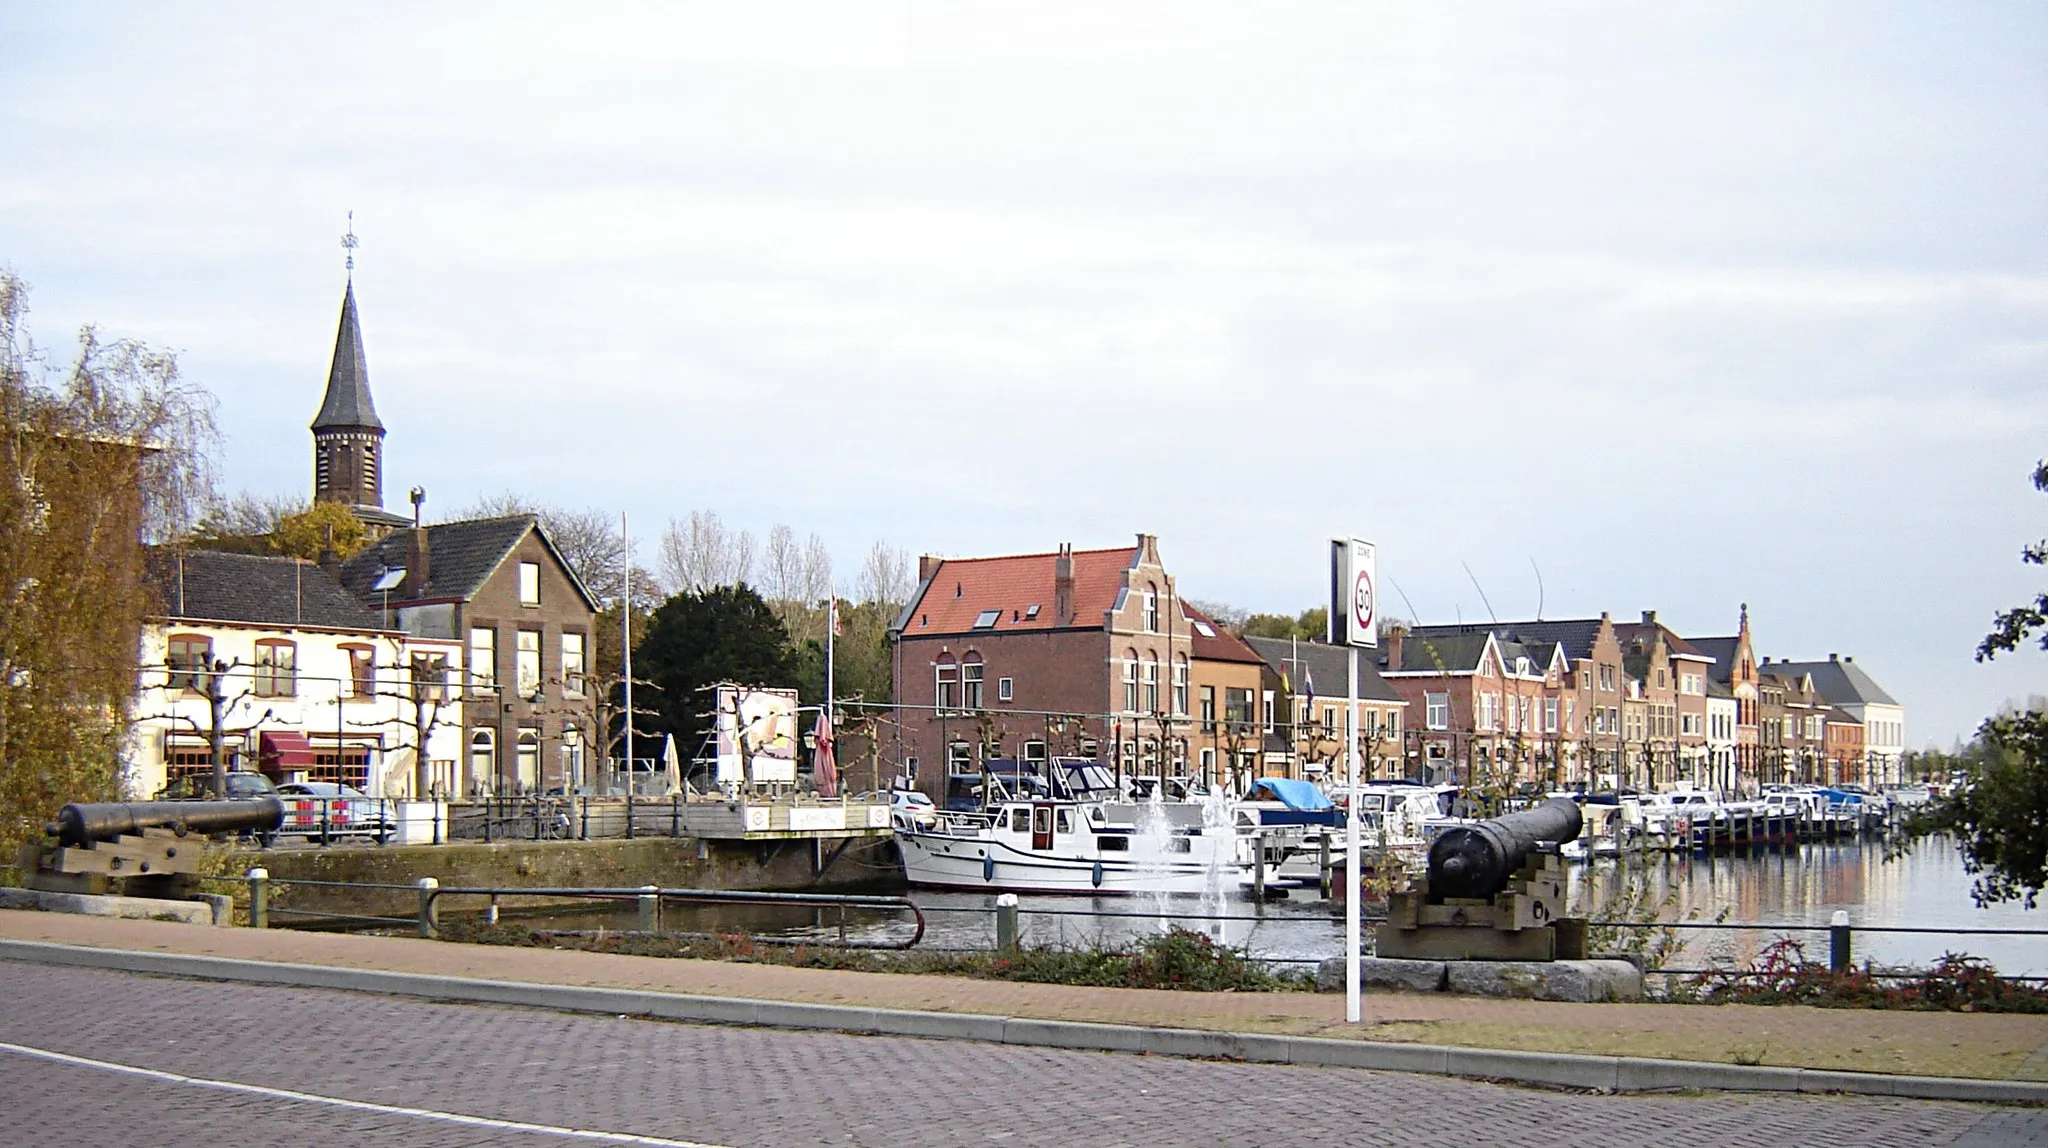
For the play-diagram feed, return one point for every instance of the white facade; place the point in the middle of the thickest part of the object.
(1884, 739)
(1722, 714)
(300, 703)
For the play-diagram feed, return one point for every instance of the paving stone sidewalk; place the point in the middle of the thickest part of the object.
(1915, 1043)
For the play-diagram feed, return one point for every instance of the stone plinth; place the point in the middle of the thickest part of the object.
(1606, 980)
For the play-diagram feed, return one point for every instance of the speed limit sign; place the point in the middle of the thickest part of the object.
(1354, 592)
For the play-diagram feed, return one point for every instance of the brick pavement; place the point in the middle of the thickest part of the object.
(1933, 1044)
(749, 1087)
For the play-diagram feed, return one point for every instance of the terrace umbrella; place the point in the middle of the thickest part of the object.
(824, 770)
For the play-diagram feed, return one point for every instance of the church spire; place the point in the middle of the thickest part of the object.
(348, 439)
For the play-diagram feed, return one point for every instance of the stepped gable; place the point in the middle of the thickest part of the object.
(214, 586)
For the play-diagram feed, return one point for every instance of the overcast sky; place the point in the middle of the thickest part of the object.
(1685, 306)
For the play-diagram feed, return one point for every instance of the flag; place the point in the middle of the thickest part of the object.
(832, 618)
(824, 770)
(1308, 683)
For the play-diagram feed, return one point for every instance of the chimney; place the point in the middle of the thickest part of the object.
(418, 567)
(1396, 635)
(1834, 657)
(1649, 617)
(1063, 586)
(927, 565)
(1148, 548)
(329, 560)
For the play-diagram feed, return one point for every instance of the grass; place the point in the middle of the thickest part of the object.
(1177, 959)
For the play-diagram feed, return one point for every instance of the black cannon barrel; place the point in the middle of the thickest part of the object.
(1476, 860)
(79, 823)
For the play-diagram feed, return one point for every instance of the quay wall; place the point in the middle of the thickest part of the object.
(866, 864)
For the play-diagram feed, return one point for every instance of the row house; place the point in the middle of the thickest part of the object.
(1849, 689)
(500, 590)
(1234, 735)
(1667, 742)
(1310, 685)
(1796, 752)
(284, 671)
(1070, 652)
(1733, 672)
(1484, 710)
(1847, 752)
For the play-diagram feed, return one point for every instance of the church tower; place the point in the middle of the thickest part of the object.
(348, 440)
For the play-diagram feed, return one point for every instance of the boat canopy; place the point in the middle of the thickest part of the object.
(1289, 792)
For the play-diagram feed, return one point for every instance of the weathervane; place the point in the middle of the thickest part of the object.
(348, 244)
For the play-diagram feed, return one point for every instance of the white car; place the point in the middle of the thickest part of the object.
(910, 808)
(344, 809)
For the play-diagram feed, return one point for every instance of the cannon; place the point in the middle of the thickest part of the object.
(142, 848)
(81, 824)
(1493, 890)
(1478, 860)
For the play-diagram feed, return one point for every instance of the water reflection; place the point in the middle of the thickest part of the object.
(1789, 885)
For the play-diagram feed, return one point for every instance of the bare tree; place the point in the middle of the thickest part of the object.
(246, 515)
(782, 562)
(703, 553)
(589, 540)
(886, 575)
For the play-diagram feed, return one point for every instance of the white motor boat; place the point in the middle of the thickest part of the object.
(1085, 841)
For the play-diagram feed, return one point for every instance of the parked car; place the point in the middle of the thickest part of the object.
(909, 807)
(243, 785)
(345, 810)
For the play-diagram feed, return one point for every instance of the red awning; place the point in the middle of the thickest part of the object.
(284, 749)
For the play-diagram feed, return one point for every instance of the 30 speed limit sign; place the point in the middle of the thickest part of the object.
(1354, 592)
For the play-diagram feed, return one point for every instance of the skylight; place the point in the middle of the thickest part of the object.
(1031, 613)
(986, 620)
(1205, 629)
(388, 580)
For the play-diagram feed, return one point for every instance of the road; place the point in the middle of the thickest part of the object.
(114, 1059)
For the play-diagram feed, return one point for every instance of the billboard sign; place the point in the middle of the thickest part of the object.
(757, 735)
(1354, 593)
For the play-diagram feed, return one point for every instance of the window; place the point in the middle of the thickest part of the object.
(528, 764)
(362, 670)
(1237, 708)
(1151, 611)
(1569, 706)
(1208, 709)
(946, 688)
(186, 654)
(483, 658)
(526, 665)
(1266, 711)
(1005, 690)
(1606, 677)
(1151, 684)
(1130, 681)
(1437, 710)
(277, 672)
(430, 677)
(483, 759)
(1180, 687)
(970, 683)
(1035, 752)
(986, 620)
(959, 755)
(1489, 711)
(1549, 715)
(529, 583)
(572, 664)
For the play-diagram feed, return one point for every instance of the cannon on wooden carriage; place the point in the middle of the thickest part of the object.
(140, 848)
(1493, 890)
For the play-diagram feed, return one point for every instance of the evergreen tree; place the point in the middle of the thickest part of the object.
(696, 640)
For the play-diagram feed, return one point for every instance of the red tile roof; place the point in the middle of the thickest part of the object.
(963, 588)
(1219, 645)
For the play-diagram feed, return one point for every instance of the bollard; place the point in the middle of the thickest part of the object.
(1838, 942)
(259, 898)
(491, 911)
(650, 908)
(1006, 924)
(430, 908)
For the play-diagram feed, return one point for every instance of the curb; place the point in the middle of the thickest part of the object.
(1568, 1070)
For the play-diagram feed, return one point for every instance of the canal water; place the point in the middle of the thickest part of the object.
(1775, 886)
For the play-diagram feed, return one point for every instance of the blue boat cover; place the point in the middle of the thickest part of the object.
(1289, 792)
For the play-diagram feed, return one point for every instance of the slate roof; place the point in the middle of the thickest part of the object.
(1722, 650)
(1324, 666)
(1451, 651)
(1576, 635)
(348, 379)
(210, 585)
(1840, 681)
(461, 557)
(961, 589)
(1626, 632)
(1218, 644)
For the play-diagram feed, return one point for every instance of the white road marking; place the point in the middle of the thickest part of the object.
(354, 1105)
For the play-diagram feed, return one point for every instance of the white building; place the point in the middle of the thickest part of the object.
(302, 680)
(1722, 714)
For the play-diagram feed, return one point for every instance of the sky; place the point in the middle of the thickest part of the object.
(1570, 308)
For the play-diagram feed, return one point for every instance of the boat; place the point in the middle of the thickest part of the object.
(1290, 829)
(1082, 836)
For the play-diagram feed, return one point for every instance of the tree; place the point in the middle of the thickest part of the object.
(243, 523)
(96, 458)
(1998, 815)
(589, 540)
(696, 640)
(702, 553)
(2011, 627)
(311, 532)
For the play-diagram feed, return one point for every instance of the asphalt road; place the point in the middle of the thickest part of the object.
(105, 1058)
